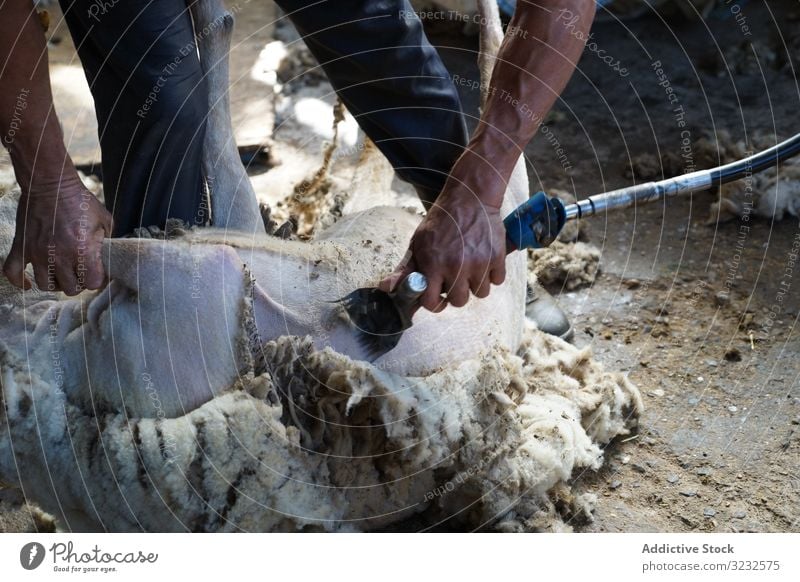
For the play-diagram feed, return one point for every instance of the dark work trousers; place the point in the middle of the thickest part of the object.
(141, 62)
(151, 101)
(391, 79)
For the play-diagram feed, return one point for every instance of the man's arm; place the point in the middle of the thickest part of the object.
(60, 224)
(460, 246)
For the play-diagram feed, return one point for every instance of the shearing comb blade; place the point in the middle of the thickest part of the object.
(380, 318)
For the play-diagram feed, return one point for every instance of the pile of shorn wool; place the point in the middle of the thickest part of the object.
(318, 441)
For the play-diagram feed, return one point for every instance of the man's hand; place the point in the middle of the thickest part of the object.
(60, 224)
(61, 234)
(460, 247)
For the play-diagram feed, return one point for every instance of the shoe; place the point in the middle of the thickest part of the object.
(543, 310)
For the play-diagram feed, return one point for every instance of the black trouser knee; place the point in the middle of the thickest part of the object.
(141, 63)
(391, 79)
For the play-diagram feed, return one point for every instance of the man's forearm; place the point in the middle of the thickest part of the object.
(29, 128)
(542, 46)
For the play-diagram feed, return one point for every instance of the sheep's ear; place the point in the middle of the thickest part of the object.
(233, 201)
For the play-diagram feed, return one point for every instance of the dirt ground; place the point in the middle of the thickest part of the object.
(702, 317)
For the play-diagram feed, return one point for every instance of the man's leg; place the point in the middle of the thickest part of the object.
(141, 63)
(391, 79)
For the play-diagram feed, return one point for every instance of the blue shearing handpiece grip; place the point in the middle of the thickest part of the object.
(535, 223)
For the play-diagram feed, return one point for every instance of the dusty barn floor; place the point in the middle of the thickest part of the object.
(719, 442)
(682, 306)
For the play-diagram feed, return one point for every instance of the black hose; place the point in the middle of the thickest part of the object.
(756, 163)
